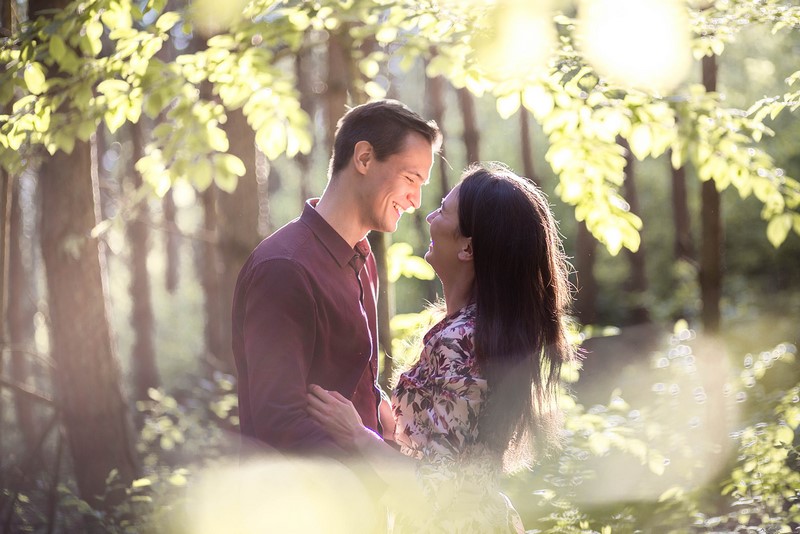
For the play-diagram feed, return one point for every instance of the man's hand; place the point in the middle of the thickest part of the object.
(338, 417)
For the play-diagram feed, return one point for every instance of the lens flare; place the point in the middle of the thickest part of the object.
(520, 39)
(282, 495)
(643, 44)
(210, 17)
(679, 397)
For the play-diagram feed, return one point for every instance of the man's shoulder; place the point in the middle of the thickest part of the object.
(290, 242)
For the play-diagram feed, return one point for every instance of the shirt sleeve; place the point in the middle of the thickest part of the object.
(279, 332)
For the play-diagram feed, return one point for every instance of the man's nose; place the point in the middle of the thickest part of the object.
(415, 198)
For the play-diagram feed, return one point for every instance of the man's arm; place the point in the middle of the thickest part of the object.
(279, 331)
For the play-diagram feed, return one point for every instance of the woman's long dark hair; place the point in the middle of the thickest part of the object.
(522, 294)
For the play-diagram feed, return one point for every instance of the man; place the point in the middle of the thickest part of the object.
(304, 305)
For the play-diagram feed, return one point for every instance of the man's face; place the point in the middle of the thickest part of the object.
(394, 185)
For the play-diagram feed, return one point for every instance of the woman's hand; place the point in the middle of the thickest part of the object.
(338, 417)
(386, 417)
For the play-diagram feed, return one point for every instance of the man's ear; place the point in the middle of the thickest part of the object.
(362, 155)
(465, 254)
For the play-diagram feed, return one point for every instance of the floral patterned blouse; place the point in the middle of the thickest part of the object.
(437, 404)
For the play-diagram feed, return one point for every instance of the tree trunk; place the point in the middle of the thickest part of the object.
(336, 94)
(436, 107)
(171, 243)
(525, 145)
(171, 236)
(6, 28)
(303, 73)
(211, 281)
(711, 223)
(636, 285)
(238, 220)
(683, 244)
(6, 187)
(466, 103)
(143, 357)
(7, 17)
(378, 242)
(435, 89)
(585, 256)
(21, 310)
(87, 377)
(266, 177)
(5, 200)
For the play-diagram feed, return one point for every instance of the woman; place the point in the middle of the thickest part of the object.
(483, 389)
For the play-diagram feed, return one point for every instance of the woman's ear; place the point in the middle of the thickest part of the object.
(465, 253)
(362, 155)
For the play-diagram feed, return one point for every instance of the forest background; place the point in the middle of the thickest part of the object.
(146, 148)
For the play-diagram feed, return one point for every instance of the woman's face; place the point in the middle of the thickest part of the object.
(446, 239)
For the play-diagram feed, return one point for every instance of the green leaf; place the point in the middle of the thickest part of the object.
(232, 164)
(86, 129)
(538, 101)
(141, 483)
(6, 93)
(599, 443)
(271, 139)
(201, 174)
(778, 228)
(224, 175)
(374, 90)
(92, 43)
(641, 141)
(369, 67)
(656, 464)
(115, 118)
(178, 479)
(35, 79)
(784, 435)
(57, 48)
(387, 34)
(166, 21)
(64, 140)
(113, 87)
(507, 105)
(217, 139)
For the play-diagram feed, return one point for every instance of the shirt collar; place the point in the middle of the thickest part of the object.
(330, 238)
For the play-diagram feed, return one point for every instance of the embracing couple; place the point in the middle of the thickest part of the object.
(481, 395)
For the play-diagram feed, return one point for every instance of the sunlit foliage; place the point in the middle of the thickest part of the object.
(97, 61)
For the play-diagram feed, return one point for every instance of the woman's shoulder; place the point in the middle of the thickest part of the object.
(453, 345)
(457, 325)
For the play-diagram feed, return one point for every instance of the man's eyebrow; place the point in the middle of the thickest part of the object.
(425, 181)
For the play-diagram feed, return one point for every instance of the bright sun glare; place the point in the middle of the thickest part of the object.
(522, 39)
(637, 43)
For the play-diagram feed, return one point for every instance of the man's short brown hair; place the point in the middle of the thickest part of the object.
(384, 124)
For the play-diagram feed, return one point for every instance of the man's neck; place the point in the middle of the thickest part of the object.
(340, 211)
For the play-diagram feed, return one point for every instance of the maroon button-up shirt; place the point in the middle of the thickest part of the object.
(304, 313)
